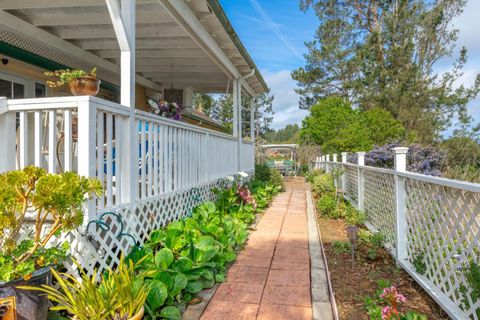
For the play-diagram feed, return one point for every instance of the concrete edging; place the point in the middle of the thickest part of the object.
(323, 299)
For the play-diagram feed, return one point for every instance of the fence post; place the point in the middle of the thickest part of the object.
(335, 157)
(360, 181)
(87, 117)
(327, 168)
(344, 174)
(400, 164)
(8, 137)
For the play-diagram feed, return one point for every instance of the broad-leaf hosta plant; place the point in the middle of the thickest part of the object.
(190, 255)
(53, 201)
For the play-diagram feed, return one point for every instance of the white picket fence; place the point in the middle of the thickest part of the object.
(425, 219)
(151, 174)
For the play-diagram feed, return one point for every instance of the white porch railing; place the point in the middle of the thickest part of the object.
(175, 164)
(426, 220)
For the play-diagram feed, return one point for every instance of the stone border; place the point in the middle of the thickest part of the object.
(323, 300)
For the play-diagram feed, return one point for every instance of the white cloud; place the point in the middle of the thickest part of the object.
(285, 103)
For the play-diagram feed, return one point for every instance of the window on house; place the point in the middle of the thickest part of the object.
(11, 89)
(40, 90)
(5, 89)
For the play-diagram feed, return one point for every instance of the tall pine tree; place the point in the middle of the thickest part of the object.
(384, 53)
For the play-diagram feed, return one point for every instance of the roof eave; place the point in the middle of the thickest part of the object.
(222, 17)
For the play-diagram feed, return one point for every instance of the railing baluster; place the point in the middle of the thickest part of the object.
(38, 139)
(23, 145)
(52, 140)
(151, 127)
(155, 160)
(143, 158)
(100, 156)
(118, 165)
(109, 160)
(68, 141)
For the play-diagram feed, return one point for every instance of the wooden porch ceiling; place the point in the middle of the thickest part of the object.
(165, 51)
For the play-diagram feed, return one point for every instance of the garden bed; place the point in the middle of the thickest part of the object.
(356, 288)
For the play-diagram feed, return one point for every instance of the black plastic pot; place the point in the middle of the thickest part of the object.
(30, 305)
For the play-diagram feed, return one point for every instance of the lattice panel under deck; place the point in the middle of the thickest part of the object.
(379, 203)
(443, 231)
(102, 249)
(352, 183)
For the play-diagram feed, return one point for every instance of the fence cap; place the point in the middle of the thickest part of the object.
(400, 150)
(361, 153)
(344, 153)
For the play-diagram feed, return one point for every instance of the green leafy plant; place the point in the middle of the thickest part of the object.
(56, 198)
(354, 217)
(471, 272)
(118, 294)
(309, 176)
(322, 184)
(190, 255)
(327, 205)
(64, 76)
(419, 262)
(341, 247)
(371, 244)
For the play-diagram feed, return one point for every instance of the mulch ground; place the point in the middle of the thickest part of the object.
(352, 286)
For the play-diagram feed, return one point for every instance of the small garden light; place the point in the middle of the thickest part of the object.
(352, 234)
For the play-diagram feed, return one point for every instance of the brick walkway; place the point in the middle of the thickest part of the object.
(271, 278)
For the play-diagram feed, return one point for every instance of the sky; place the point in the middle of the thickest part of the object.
(275, 32)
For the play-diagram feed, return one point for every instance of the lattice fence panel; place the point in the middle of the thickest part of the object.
(443, 234)
(337, 170)
(379, 203)
(101, 247)
(352, 183)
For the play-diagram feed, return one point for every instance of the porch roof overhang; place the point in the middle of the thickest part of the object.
(178, 43)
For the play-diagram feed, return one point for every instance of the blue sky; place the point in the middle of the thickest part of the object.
(274, 33)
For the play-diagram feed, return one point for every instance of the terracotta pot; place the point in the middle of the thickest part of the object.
(85, 86)
(28, 305)
(139, 315)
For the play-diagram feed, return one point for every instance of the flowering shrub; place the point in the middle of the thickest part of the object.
(425, 160)
(171, 110)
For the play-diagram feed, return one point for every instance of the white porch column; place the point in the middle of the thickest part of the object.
(123, 21)
(239, 125)
(188, 97)
(235, 108)
(252, 122)
(8, 134)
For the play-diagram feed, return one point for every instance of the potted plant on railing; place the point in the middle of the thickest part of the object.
(81, 83)
(119, 295)
(47, 205)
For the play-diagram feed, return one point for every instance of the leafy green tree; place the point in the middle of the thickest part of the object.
(383, 54)
(337, 127)
(289, 134)
(222, 111)
(203, 103)
(263, 108)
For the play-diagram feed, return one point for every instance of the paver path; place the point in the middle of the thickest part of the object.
(271, 278)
